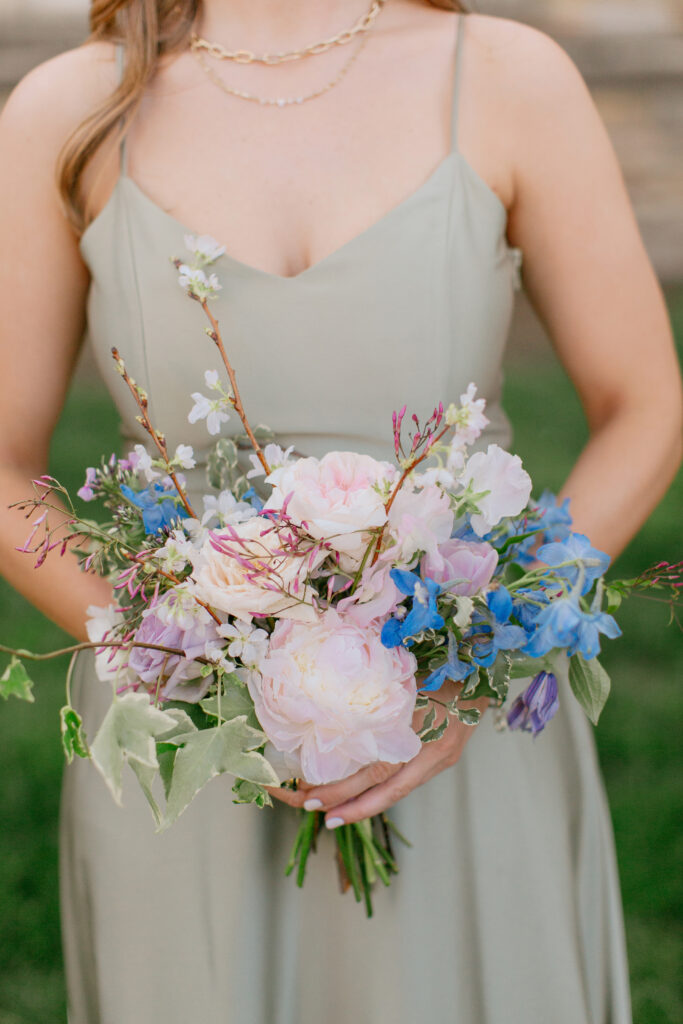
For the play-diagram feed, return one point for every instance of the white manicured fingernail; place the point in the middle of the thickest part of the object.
(333, 822)
(313, 804)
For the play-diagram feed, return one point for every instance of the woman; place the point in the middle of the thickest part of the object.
(373, 206)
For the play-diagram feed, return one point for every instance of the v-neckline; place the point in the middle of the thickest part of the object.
(318, 265)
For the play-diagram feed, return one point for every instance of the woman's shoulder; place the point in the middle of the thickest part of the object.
(56, 96)
(521, 62)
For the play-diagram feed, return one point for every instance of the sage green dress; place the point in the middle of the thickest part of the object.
(507, 908)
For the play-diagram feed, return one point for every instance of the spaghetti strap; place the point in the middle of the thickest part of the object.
(123, 156)
(457, 78)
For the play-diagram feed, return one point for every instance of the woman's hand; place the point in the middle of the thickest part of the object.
(379, 786)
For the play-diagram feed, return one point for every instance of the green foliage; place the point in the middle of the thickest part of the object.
(128, 733)
(250, 793)
(73, 734)
(231, 748)
(235, 701)
(590, 685)
(15, 682)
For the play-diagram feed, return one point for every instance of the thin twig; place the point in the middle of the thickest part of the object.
(236, 398)
(158, 439)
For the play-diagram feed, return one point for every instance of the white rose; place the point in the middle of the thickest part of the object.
(243, 571)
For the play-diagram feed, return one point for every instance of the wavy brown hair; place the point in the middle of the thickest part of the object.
(148, 29)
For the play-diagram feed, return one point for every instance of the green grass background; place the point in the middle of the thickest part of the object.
(638, 737)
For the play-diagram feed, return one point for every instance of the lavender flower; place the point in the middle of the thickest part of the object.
(534, 708)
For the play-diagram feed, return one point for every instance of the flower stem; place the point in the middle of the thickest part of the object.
(158, 439)
(236, 397)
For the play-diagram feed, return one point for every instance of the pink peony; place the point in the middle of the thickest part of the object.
(472, 564)
(419, 521)
(336, 497)
(252, 576)
(331, 696)
(508, 485)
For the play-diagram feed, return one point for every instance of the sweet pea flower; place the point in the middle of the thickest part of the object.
(332, 697)
(375, 596)
(418, 521)
(86, 492)
(503, 483)
(338, 497)
(243, 571)
(462, 567)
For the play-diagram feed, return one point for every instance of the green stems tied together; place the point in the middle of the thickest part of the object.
(364, 853)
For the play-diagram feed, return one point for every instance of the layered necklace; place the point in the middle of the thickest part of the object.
(201, 48)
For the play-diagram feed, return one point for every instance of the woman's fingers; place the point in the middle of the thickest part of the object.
(320, 798)
(379, 798)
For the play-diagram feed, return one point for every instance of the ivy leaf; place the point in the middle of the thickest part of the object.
(230, 747)
(249, 793)
(15, 682)
(427, 722)
(590, 685)
(127, 733)
(436, 733)
(235, 701)
(73, 735)
(468, 716)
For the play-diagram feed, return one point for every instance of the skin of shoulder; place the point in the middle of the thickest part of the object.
(51, 101)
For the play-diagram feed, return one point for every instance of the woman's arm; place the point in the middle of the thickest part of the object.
(43, 285)
(589, 277)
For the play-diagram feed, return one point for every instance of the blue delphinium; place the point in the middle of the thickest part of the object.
(563, 623)
(160, 506)
(423, 613)
(576, 547)
(555, 518)
(501, 634)
(453, 668)
(534, 708)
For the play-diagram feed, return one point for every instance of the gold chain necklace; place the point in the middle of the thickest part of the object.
(280, 101)
(363, 25)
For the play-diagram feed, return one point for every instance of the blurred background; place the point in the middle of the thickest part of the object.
(631, 53)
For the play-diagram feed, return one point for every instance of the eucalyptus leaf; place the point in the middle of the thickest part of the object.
(15, 682)
(230, 747)
(128, 733)
(590, 685)
(73, 735)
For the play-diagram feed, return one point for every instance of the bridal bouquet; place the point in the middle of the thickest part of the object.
(299, 624)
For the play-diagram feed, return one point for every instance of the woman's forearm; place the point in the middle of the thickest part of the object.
(623, 472)
(58, 588)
